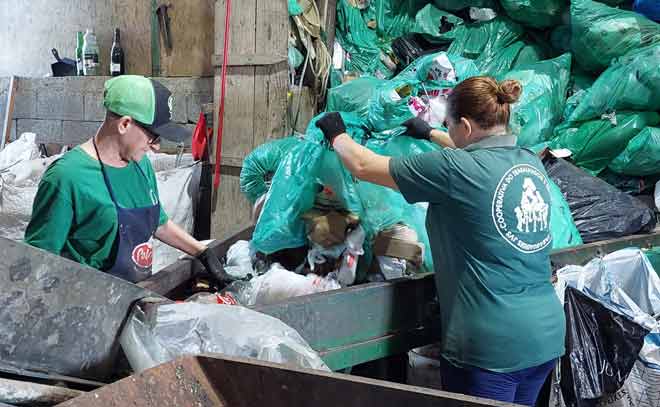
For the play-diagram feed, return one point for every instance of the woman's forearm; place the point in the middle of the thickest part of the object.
(362, 162)
(171, 234)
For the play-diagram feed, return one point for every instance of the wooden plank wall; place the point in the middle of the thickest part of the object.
(255, 106)
(191, 28)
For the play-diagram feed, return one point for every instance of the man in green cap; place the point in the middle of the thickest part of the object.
(99, 205)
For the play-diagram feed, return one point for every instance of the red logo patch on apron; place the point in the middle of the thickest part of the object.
(143, 255)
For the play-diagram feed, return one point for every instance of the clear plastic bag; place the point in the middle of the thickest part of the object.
(164, 332)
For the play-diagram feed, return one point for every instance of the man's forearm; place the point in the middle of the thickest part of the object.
(171, 234)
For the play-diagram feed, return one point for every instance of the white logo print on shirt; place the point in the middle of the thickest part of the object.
(532, 213)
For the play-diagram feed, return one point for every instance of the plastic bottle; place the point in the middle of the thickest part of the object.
(116, 56)
(79, 53)
(90, 54)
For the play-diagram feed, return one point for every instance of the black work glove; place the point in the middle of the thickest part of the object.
(332, 125)
(418, 128)
(214, 267)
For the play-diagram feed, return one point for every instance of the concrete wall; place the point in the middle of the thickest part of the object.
(29, 30)
(69, 110)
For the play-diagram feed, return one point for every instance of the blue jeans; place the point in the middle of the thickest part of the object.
(521, 387)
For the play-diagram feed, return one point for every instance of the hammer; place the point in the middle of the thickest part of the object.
(164, 24)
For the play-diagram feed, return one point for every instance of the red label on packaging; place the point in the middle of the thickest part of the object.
(143, 255)
(226, 299)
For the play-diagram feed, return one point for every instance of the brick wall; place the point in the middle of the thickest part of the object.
(69, 110)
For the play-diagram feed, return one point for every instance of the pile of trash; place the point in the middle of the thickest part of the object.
(23, 162)
(612, 308)
(589, 72)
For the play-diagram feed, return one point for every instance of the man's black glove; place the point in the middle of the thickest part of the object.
(332, 125)
(214, 267)
(418, 128)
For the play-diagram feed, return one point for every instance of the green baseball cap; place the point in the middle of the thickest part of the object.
(147, 102)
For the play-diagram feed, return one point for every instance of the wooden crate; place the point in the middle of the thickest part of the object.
(256, 91)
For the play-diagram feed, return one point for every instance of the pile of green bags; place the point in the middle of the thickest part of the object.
(541, 104)
(641, 156)
(535, 13)
(600, 34)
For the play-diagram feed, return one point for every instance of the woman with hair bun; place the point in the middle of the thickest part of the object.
(488, 223)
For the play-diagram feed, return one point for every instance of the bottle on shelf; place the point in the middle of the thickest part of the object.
(90, 54)
(116, 56)
(79, 53)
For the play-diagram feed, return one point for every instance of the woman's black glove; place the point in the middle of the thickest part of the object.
(418, 128)
(214, 267)
(332, 125)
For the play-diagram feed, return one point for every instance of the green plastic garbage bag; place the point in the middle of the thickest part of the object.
(311, 164)
(435, 25)
(654, 257)
(600, 33)
(474, 40)
(296, 58)
(261, 164)
(294, 8)
(641, 156)
(539, 110)
(597, 142)
(420, 69)
(560, 39)
(504, 60)
(294, 187)
(535, 13)
(362, 44)
(353, 96)
(562, 227)
(394, 18)
(631, 83)
(388, 107)
(455, 5)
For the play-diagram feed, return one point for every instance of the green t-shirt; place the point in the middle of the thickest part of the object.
(489, 230)
(73, 214)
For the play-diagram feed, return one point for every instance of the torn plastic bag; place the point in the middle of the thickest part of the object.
(599, 210)
(261, 164)
(601, 349)
(631, 83)
(455, 5)
(279, 284)
(539, 110)
(641, 156)
(535, 13)
(474, 40)
(596, 143)
(164, 332)
(600, 33)
(436, 25)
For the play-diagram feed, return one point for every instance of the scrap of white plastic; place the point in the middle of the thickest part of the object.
(561, 153)
(482, 14)
(337, 56)
(657, 195)
(239, 259)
